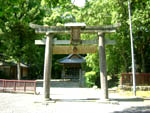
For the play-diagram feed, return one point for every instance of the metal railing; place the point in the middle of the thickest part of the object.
(26, 86)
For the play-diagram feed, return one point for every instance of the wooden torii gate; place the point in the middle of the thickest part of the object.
(76, 46)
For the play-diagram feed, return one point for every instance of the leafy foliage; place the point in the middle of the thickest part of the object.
(102, 12)
(18, 42)
(90, 78)
(16, 15)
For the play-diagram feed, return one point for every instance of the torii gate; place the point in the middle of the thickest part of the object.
(77, 46)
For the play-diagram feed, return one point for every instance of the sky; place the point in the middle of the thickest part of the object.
(79, 3)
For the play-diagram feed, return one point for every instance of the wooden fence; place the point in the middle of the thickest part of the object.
(26, 86)
(142, 79)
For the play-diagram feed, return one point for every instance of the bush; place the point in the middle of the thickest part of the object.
(91, 79)
(114, 81)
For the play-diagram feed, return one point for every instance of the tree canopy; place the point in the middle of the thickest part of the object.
(18, 41)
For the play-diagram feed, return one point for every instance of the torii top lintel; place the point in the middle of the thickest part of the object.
(67, 29)
(76, 44)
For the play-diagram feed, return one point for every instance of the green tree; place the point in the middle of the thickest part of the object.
(102, 12)
(140, 24)
(15, 17)
(18, 44)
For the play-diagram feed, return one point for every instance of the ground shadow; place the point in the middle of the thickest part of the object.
(136, 109)
(128, 99)
(77, 100)
(96, 99)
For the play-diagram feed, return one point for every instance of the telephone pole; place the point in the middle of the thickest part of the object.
(132, 51)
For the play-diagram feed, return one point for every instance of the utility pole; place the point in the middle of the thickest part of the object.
(132, 51)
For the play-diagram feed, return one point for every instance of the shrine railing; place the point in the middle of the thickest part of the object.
(26, 86)
(141, 79)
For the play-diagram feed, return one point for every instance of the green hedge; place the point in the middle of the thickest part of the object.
(92, 79)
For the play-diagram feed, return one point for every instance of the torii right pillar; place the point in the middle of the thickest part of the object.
(102, 62)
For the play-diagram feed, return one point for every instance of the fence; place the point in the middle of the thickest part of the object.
(26, 86)
(141, 79)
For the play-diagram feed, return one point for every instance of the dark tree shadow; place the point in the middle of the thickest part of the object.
(136, 109)
(77, 100)
(127, 99)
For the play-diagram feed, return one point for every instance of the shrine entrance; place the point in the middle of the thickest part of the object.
(74, 46)
(71, 72)
(72, 68)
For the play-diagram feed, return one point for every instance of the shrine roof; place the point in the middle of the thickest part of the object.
(72, 58)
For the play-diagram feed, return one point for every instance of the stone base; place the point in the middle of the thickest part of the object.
(49, 100)
(46, 101)
(107, 101)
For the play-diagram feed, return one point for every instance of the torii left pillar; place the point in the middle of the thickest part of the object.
(103, 73)
(47, 66)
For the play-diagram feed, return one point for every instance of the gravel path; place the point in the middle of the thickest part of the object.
(70, 100)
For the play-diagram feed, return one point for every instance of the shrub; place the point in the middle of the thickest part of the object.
(90, 78)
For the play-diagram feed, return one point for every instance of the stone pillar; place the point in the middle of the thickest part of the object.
(102, 62)
(81, 78)
(47, 66)
(63, 73)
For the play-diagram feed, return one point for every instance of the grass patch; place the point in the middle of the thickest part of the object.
(144, 94)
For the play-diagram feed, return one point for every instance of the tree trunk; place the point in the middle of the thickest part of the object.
(143, 63)
(125, 64)
(18, 71)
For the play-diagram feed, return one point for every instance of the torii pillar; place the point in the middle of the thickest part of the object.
(47, 66)
(102, 65)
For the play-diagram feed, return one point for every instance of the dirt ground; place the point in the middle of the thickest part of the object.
(71, 100)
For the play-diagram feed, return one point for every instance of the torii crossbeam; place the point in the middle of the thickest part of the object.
(74, 45)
